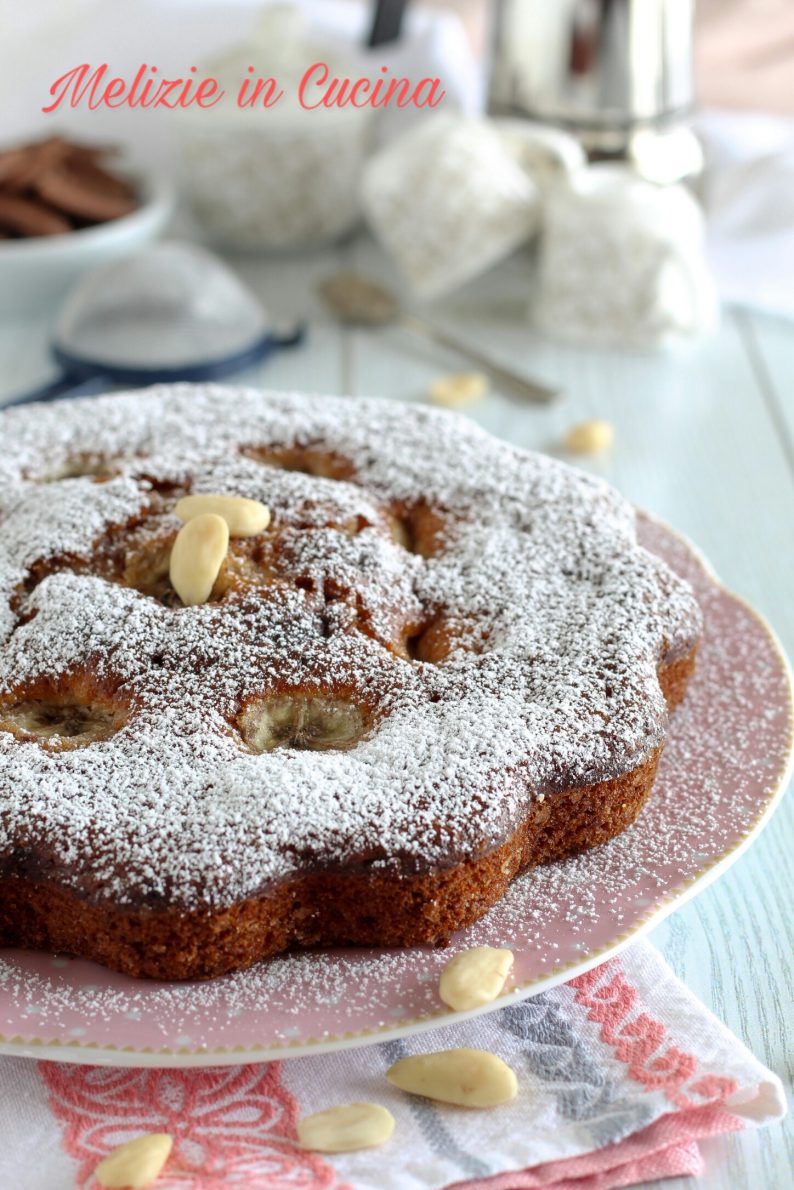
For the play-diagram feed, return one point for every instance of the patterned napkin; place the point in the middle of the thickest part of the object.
(621, 1072)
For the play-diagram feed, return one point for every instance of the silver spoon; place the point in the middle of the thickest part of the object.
(358, 301)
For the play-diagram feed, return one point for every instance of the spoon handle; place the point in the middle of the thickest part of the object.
(530, 390)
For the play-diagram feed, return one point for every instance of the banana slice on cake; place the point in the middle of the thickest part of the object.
(300, 721)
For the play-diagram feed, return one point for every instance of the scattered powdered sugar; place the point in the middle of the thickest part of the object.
(728, 747)
(560, 620)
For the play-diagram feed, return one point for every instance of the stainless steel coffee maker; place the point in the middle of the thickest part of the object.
(618, 74)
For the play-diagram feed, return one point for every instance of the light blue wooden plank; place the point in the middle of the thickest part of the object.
(695, 444)
(24, 355)
(770, 347)
(743, 924)
(286, 286)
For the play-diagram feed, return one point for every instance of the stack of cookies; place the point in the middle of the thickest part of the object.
(54, 186)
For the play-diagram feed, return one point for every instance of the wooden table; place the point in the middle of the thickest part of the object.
(705, 440)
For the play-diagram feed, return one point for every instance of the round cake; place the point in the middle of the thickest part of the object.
(443, 661)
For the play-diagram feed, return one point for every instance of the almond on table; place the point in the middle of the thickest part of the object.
(346, 1128)
(135, 1164)
(466, 1077)
(456, 391)
(589, 437)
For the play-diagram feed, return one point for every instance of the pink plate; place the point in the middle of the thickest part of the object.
(724, 768)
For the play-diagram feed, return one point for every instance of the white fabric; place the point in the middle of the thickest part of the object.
(583, 1084)
(748, 192)
(575, 1094)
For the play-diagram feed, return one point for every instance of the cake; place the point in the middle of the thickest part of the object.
(444, 661)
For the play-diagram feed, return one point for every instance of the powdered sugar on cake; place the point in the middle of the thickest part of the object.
(560, 621)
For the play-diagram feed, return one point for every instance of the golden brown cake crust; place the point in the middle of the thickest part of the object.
(330, 908)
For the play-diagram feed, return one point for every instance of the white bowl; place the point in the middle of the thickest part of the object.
(36, 273)
(287, 181)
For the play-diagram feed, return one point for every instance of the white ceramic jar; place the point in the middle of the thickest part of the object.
(278, 178)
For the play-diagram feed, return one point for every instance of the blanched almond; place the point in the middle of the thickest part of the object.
(346, 1128)
(469, 1078)
(245, 518)
(458, 390)
(135, 1164)
(589, 437)
(197, 557)
(475, 977)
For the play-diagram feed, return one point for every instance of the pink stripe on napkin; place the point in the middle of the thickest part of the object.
(666, 1149)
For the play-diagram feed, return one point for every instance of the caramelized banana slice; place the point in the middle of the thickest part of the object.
(312, 723)
(60, 726)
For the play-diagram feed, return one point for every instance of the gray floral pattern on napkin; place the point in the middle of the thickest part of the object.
(583, 1089)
